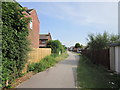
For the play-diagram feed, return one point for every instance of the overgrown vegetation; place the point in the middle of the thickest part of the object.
(91, 76)
(56, 46)
(46, 62)
(14, 41)
(42, 65)
(0, 44)
(101, 41)
(58, 53)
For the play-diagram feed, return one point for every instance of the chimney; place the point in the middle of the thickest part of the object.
(48, 33)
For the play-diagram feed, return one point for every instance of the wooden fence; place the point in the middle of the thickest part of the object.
(35, 55)
(101, 57)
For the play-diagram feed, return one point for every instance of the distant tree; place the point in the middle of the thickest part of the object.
(56, 46)
(77, 45)
(81, 46)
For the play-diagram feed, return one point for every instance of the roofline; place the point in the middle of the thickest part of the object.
(36, 14)
(114, 44)
(46, 34)
(43, 34)
(21, 6)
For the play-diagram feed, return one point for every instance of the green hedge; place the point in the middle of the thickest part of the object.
(14, 41)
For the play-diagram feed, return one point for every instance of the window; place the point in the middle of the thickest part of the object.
(43, 41)
(31, 24)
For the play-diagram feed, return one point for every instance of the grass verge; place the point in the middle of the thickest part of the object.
(91, 76)
(46, 62)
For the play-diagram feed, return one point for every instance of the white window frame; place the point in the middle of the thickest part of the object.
(31, 24)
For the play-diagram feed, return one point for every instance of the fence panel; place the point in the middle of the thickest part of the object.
(101, 57)
(35, 55)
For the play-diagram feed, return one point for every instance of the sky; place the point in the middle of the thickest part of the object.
(71, 22)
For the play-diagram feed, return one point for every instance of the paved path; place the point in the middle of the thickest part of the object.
(62, 75)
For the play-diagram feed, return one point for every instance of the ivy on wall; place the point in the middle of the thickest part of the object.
(14, 41)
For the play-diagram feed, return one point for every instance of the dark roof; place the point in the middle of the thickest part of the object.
(114, 44)
(29, 10)
(45, 36)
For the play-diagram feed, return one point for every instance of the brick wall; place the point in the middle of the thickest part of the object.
(34, 32)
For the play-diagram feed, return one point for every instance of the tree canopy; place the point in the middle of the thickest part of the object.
(56, 46)
(77, 45)
(101, 41)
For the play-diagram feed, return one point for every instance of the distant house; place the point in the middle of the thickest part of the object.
(78, 50)
(43, 39)
(71, 48)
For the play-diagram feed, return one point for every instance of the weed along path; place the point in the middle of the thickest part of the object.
(62, 75)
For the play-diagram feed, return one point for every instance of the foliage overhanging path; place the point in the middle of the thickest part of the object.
(62, 75)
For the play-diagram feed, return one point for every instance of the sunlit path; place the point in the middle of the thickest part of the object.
(62, 75)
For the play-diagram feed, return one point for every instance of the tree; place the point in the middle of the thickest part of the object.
(56, 46)
(101, 41)
(77, 45)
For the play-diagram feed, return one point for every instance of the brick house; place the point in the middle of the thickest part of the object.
(33, 27)
(43, 39)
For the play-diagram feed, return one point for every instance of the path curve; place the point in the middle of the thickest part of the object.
(62, 75)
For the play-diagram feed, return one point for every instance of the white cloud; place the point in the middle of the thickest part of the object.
(85, 13)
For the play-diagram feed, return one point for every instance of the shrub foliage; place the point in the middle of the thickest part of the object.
(43, 64)
(14, 41)
(56, 46)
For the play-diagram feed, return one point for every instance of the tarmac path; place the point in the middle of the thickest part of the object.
(62, 75)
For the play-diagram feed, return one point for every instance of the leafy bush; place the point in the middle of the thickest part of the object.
(54, 55)
(43, 64)
(14, 41)
(56, 46)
